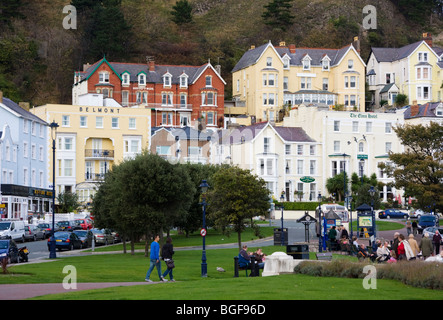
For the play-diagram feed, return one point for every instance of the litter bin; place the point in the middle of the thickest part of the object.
(278, 235)
(298, 251)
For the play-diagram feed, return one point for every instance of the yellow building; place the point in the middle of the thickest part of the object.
(415, 70)
(269, 77)
(89, 140)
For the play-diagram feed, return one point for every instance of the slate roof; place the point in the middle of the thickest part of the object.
(185, 133)
(393, 54)
(135, 69)
(424, 110)
(22, 112)
(250, 57)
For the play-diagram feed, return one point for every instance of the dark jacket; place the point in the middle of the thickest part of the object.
(167, 251)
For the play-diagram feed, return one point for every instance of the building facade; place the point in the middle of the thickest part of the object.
(89, 140)
(178, 96)
(23, 164)
(415, 70)
(269, 77)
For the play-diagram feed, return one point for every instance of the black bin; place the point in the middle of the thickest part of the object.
(279, 236)
(298, 251)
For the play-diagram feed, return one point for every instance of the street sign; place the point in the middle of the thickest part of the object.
(203, 232)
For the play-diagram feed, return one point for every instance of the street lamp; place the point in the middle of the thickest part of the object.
(282, 198)
(320, 244)
(372, 193)
(53, 126)
(204, 186)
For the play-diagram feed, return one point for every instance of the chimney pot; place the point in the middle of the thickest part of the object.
(151, 65)
(252, 47)
(282, 44)
(292, 48)
(427, 37)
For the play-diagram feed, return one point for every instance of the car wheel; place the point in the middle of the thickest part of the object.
(388, 217)
(405, 216)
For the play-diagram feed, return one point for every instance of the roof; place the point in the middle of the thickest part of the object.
(14, 107)
(388, 87)
(424, 110)
(134, 69)
(393, 54)
(185, 133)
(251, 57)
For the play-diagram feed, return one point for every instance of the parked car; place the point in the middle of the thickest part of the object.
(38, 232)
(85, 236)
(431, 231)
(66, 226)
(85, 224)
(46, 228)
(65, 240)
(29, 234)
(12, 229)
(392, 213)
(103, 236)
(9, 250)
(426, 221)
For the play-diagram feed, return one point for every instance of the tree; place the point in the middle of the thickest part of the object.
(68, 202)
(419, 170)
(182, 12)
(401, 100)
(337, 185)
(235, 197)
(278, 14)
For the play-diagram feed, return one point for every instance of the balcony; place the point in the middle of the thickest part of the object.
(99, 154)
(94, 176)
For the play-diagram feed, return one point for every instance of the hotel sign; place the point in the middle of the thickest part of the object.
(307, 179)
(363, 115)
(99, 109)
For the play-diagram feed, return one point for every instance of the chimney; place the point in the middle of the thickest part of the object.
(252, 47)
(1, 96)
(24, 105)
(427, 37)
(356, 44)
(292, 48)
(414, 110)
(86, 66)
(151, 65)
(218, 69)
(282, 44)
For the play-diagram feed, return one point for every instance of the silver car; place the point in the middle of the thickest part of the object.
(103, 236)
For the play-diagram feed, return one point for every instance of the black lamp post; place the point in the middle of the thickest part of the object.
(53, 126)
(204, 186)
(372, 193)
(282, 199)
(320, 242)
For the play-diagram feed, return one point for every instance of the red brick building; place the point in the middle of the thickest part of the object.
(178, 96)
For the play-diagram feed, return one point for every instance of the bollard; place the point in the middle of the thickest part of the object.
(236, 267)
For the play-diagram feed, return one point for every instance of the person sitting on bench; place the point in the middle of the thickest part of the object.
(244, 259)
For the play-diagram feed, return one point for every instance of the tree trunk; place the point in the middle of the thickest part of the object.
(239, 240)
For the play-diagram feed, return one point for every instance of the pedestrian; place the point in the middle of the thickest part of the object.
(414, 245)
(154, 259)
(409, 226)
(414, 227)
(404, 249)
(395, 244)
(344, 233)
(167, 252)
(426, 246)
(436, 241)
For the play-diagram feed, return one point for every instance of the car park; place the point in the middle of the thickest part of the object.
(65, 240)
(103, 236)
(9, 250)
(85, 236)
(393, 213)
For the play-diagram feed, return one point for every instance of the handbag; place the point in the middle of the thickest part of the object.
(170, 264)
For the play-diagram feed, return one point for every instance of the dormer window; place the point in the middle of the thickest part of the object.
(167, 80)
(183, 81)
(103, 77)
(286, 62)
(142, 79)
(306, 61)
(439, 110)
(325, 63)
(125, 79)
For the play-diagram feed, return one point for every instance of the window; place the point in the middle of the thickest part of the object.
(368, 127)
(68, 167)
(266, 144)
(300, 167)
(167, 99)
(423, 92)
(65, 121)
(33, 129)
(125, 98)
(423, 73)
(271, 80)
(361, 147)
(33, 151)
(194, 151)
(325, 64)
(142, 97)
(269, 167)
(83, 121)
(209, 98)
(306, 61)
(388, 127)
(285, 83)
(287, 149)
(269, 62)
(25, 149)
(208, 81)
(167, 80)
(211, 119)
(350, 64)
(132, 123)
(184, 81)
(305, 83)
(262, 167)
(103, 77)
(312, 150)
(299, 149)
(312, 167)
(99, 122)
(285, 63)
(423, 57)
(325, 84)
(125, 79)
(141, 79)
(336, 146)
(40, 153)
(114, 123)
(68, 143)
(388, 147)
(353, 82)
(163, 150)
(355, 126)
(336, 125)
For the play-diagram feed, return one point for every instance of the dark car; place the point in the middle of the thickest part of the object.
(9, 250)
(67, 226)
(85, 236)
(46, 228)
(65, 240)
(426, 221)
(431, 232)
(38, 232)
(393, 213)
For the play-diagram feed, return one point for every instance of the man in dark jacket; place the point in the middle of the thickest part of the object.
(436, 241)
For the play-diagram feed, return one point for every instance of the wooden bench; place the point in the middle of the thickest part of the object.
(253, 266)
(327, 256)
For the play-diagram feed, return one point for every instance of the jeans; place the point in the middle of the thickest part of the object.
(168, 271)
(153, 263)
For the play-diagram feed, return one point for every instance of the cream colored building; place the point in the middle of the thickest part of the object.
(351, 141)
(89, 140)
(269, 77)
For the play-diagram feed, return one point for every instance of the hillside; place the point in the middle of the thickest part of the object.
(38, 56)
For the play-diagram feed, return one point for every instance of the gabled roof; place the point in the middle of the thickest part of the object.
(20, 112)
(423, 110)
(394, 54)
(185, 133)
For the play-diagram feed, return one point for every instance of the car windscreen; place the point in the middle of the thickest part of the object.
(4, 225)
(61, 234)
(427, 219)
(80, 233)
(4, 244)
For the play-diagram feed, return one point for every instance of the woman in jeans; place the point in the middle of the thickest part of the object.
(167, 252)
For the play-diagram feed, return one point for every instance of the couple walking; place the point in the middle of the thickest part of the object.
(167, 252)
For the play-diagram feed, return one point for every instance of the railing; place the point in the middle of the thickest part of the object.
(94, 176)
(99, 153)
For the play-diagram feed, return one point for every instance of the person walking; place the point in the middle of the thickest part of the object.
(436, 240)
(154, 258)
(167, 252)
(409, 226)
(414, 246)
(426, 246)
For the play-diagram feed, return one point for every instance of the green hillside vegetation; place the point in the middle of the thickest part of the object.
(38, 56)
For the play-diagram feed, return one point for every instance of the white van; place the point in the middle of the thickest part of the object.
(12, 229)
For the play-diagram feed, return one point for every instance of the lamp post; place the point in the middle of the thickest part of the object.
(320, 244)
(204, 186)
(372, 193)
(53, 126)
(282, 198)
